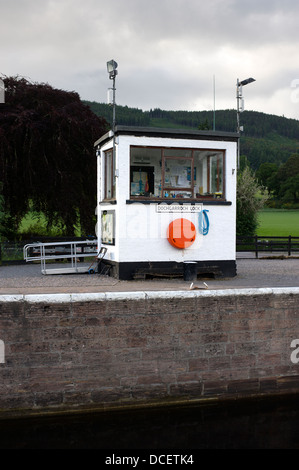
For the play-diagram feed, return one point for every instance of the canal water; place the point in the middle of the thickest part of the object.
(263, 424)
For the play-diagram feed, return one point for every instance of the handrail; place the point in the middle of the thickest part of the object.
(72, 250)
(64, 254)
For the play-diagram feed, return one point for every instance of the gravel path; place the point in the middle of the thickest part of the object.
(28, 279)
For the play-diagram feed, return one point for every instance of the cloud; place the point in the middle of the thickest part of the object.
(168, 51)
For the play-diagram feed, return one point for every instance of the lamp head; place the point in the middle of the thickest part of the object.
(111, 68)
(247, 81)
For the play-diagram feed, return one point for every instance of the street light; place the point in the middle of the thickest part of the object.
(240, 106)
(111, 69)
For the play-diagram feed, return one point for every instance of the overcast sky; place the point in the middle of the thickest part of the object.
(168, 51)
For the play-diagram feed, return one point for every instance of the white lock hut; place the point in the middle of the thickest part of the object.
(167, 199)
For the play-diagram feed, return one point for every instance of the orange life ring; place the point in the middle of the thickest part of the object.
(181, 233)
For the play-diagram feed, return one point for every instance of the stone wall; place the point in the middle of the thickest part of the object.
(73, 351)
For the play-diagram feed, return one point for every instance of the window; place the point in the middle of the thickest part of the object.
(109, 192)
(108, 227)
(142, 180)
(177, 170)
(215, 178)
(176, 173)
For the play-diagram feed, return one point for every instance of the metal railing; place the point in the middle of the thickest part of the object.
(270, 245)
(71, 251)
(11, 252)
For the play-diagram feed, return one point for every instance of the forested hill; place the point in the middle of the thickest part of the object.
(266, 137)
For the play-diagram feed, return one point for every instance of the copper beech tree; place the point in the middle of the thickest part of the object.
(47, 160)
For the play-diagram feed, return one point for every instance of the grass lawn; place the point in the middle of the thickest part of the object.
(278, 223)
(36, 224)
(272, 222)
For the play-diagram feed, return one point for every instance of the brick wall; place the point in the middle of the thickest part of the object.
(102, 350)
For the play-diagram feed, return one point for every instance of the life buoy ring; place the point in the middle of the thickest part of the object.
(181, 233)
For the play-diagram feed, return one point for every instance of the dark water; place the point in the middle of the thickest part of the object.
(265, 424)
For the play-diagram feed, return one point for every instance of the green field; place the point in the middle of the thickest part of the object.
(278, 223)
(272, 222)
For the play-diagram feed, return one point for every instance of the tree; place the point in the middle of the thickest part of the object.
(204, 126)
(265, 172)
(244, 162)
(290, 189)
(250, 199)
(285, 182)
(46, 154)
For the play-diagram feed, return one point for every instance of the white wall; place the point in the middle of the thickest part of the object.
(141, 231)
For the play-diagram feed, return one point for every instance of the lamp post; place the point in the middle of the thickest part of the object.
(240, 107)
(111, 69)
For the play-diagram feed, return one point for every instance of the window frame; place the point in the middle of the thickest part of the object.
(110, 167)
(209, 169)
(188, 159)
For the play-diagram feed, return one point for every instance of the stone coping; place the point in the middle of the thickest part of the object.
(144, 295)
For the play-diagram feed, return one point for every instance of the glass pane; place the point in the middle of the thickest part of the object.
(184, 153)
(177, 194)
(216, 175)
(142, 180)
(200, 170)
(109, 188)
(145, 171)
(177, 173)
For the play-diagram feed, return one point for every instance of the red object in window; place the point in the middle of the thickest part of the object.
(181, 233)
(146, 189)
